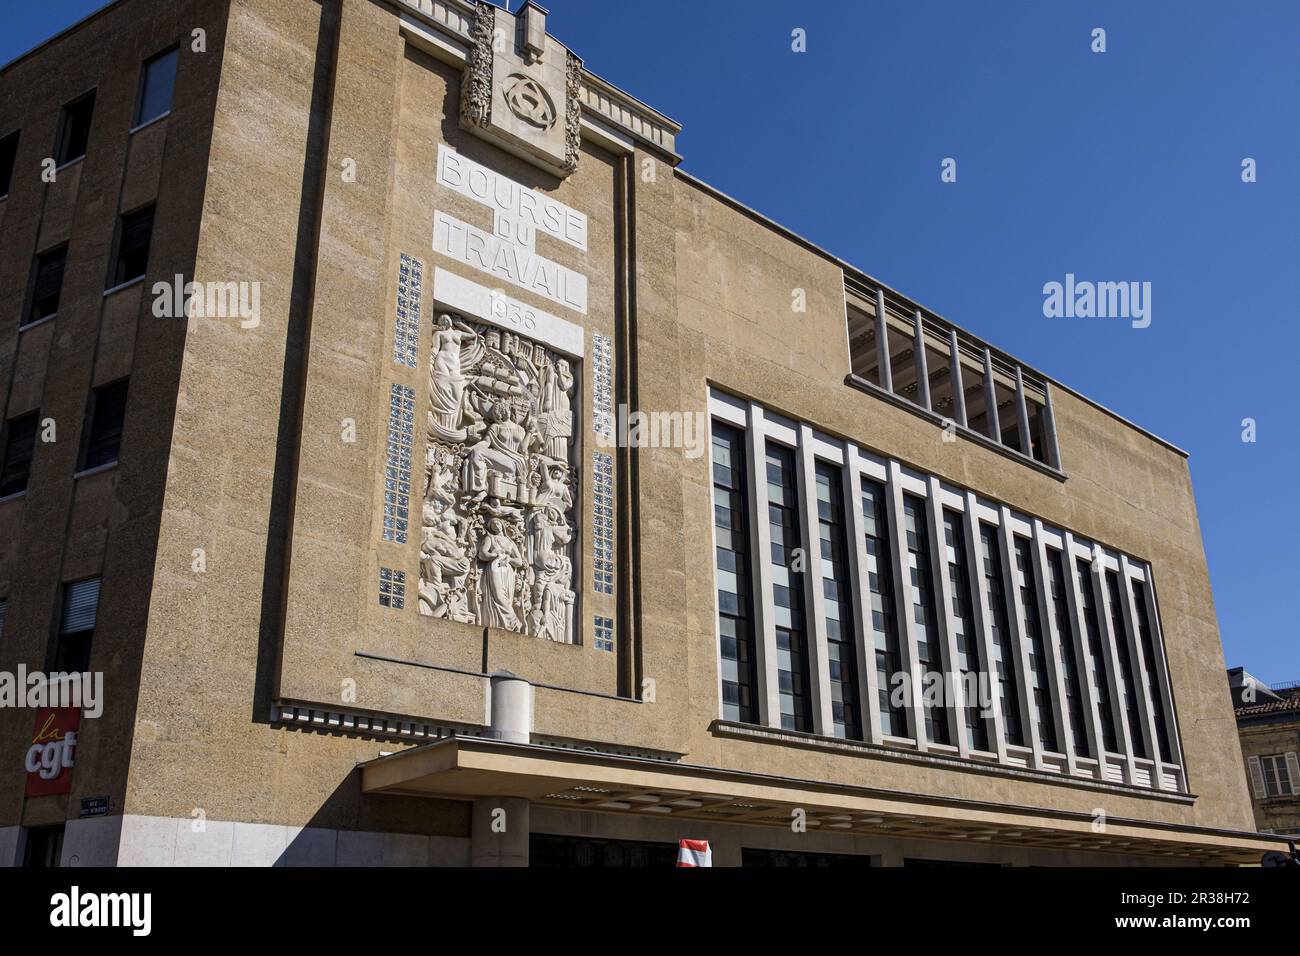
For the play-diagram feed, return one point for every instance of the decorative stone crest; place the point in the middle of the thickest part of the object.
(529, 101)
(497, 535)
(523, 95)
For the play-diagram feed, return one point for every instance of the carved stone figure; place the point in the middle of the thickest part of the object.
(548, 540)
(502, 562)
(443, 570)
(453, 345)
(498, 533)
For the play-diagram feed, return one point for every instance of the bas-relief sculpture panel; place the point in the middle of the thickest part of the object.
(497, 534)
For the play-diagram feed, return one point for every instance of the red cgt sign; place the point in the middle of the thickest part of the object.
(50, 757)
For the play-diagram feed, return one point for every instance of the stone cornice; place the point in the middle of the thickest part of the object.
(601, 101)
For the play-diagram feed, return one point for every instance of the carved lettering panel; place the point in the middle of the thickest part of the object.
(498, 539)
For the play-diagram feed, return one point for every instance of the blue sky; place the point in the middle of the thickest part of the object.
(1123, 165)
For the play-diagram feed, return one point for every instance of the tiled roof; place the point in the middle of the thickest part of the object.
(1270, 707)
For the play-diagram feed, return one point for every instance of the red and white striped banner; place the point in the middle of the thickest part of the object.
(694, 853)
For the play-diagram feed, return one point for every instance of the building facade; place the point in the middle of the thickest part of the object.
(1268, 721)
(436, 473)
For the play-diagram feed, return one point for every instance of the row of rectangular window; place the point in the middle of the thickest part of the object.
(102, 442)
(129, 261)
(154, 100)
(1032, 668)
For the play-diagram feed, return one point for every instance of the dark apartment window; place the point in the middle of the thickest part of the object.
(1004, 649)
(20, 440)
(883, 620)
(1128, 682)
(76, 626)
(8, 154)
(74, 129)
(787, 587)
(735, 593)
(44, 847)
(104, 420)
(1040, 673)
(4, 608)
(1153, 674)
(135, 230)
(929, 637)
(156, 87)
(47, 284)
(837, 589)
(1096, 656)
(964, 633)
(1057, 583)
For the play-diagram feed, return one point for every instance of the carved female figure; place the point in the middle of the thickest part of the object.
(447, 379)
(497, 594)
(552, 574)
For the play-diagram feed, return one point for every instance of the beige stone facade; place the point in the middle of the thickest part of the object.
(249, 702)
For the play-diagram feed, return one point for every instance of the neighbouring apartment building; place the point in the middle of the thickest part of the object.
(1268, 721)
(437, 474)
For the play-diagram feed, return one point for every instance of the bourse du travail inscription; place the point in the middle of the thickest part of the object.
(498, 536)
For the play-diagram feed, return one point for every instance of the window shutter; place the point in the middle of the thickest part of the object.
(1292, 765)
(1256, 777)
(80, 603)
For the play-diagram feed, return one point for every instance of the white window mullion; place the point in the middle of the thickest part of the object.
(1052, 640)
(769, 700)
(954, 698)
(1083, 655)
(814, 599)
(980, 603)
(1114, 678)
(1018, 638)
(905, 613)
(1161, 665)
(1146, 713)
(863, 637)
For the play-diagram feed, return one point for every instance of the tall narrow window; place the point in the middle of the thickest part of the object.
(929, 637)
(1057, 583)
(968, 653)
(47, 284)
(845, 712)
(787, 597)
(1040, 674)
(735, 607)
(76, 626)
(1145, 639)
(104, 419)
(135, 233)
(1129, 689)
(156, 87)
(1096, 657)
(880, 599)
(1004, 651)
(74, 129)
(8, 154)
(16, 467)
